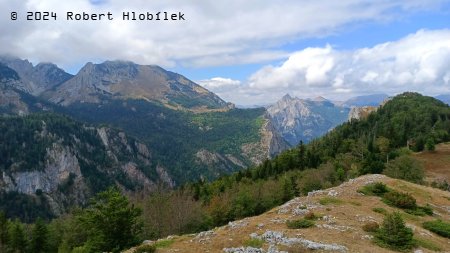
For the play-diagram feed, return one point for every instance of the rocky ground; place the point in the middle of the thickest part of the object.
(343, 211)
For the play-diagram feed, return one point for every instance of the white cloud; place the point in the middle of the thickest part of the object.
(219, 84)
(418, 62)
(214, 33)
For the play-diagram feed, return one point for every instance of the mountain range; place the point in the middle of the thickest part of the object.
(148, 126)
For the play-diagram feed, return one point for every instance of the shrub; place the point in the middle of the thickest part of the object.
(421, 210)
(371, 226)
(254, 242)
(394, 234)
(439, 227)
(147, 248)
(400, 200)
(406, 168)
(301, 223)
(374, 189)
(380, 210)
(311, 216)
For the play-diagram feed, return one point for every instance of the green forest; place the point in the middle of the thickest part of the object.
(163, 129)
(382, 143)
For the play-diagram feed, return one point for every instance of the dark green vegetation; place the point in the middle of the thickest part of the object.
(439, 227)
(176, 136)
(39, 134)
(397, 199)
(300, 223)
(394, 234)
(109, 224)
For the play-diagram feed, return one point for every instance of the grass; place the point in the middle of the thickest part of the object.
(330, 201)
(427, 244)
(300, 223)
(439, 227)
(254, 242)
(355, 203)
(380, 210)
(164, 243)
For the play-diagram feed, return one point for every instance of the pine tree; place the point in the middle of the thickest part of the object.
(17, 240)
(39, 237)
(394, 234)
(3, 232)
(111, 222)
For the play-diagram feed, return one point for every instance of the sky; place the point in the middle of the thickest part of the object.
(251, 52)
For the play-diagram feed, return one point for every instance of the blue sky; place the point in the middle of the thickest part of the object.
(351, 36)
(253, 51)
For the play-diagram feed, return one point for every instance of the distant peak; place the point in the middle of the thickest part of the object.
(286, 97)
(319, 99)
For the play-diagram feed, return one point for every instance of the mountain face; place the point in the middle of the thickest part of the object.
(189, 130)
(299, 119)
(66, 163)
(126, 80)
(361, 112)
(444, 98)
(35, 79)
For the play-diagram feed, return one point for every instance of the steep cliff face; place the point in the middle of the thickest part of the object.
(299, 119)
(361, 112)
(35, 79)
(67, 162)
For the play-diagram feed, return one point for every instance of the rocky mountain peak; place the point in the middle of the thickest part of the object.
(305, 119)
(35, 79)
(286, 97)
(128, 80)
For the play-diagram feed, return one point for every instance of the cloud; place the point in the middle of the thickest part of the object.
(419, 62)
(219, 84)
(215, 33)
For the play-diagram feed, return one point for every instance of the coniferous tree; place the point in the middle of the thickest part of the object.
(3, 232)
(111, 222)
(39, 237)
(17, 239)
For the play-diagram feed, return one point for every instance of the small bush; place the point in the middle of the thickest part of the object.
(301, 223)
(311, 216)
(330, 200)
(394, 234)
(147, 248)
(254, 242)
(439, 227)
(371, 226)
(380, 210)
(421, 210)
(400, 200)
(374, 189)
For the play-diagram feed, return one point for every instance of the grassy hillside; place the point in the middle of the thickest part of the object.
(437, 165)
(340, 219)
